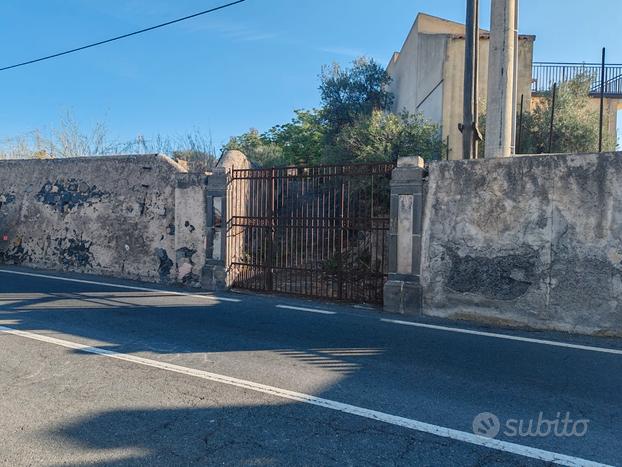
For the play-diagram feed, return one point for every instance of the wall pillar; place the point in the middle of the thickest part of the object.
(215, 268)
(402, 291)
(189, 228)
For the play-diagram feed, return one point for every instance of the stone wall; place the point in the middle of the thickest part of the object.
(110, 215)
(534, 240)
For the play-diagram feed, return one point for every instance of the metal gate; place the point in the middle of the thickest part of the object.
(319, 231)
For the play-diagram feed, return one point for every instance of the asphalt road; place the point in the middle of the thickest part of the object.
(97, 374)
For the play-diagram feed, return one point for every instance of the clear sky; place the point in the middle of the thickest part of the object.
(247, 66)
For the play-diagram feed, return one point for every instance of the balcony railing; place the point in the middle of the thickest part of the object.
(545, 74)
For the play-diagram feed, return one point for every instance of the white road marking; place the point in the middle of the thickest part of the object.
(119, 286)
(506, 336)
(411, 424)
(312, 310)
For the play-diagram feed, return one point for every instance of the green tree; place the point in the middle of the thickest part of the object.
(257, 147)
(348, 94)
(385, 137)
(302, 140)
(575, 122)
(352, 125)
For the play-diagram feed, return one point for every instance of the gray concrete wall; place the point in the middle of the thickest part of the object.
(113, 216)
(534, 240)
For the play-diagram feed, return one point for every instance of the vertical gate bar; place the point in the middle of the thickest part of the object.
(373, 235)
(264, 203)
(260, 273)
(317, 232)
(306, 236)
(348, 226)
(331, 232)
(288, 257)
(301, 229)
(253, 234)
(241, 231)
(272, 232)
(340, 242)
(279, 230)
(301, 240)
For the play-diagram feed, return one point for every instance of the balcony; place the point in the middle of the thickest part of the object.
(545, 74)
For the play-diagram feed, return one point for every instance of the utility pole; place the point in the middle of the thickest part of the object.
(500, 119)
(469, 126)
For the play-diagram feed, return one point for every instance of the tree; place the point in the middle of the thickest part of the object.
(348, 94)
(302, 140)
(352, 125)
(386, 137)
(575, 122)
(257, 147)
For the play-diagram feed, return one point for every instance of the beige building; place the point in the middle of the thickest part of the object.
(428, 77)
(428, 74)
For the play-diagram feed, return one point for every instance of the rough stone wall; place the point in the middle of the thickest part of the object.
(190, 228)
(104, 215)
(534, 240)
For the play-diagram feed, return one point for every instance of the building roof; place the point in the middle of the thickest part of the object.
(434, 25)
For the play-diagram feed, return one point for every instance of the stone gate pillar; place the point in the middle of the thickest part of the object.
(214, 275)
(188, 229)
(402, 291)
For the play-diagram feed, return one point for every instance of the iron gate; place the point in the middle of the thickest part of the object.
(318, 231)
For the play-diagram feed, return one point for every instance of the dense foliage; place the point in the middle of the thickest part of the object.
(575, 121)
(352, 125)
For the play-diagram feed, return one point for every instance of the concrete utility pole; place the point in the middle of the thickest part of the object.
(500, 118)
(470, 132)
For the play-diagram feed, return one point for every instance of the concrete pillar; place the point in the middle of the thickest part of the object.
(215, 270)
(501, 77)
(402, 291)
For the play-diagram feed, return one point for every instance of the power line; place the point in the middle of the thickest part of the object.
(112, 39)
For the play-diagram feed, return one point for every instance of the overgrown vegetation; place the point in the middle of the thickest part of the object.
(69, 140)
(352, 125)
(575, 121)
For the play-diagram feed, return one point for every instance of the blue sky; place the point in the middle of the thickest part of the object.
(247, 66)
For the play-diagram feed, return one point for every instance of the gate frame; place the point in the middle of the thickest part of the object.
(272, 177)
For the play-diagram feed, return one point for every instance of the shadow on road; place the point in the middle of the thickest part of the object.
(423, 374)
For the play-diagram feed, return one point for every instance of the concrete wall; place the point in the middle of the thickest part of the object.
(117, 216)
(532, 240)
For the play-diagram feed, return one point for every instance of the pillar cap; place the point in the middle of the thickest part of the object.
(411, 161)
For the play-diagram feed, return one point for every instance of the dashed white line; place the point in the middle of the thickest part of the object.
(499, 445)
(312, 310)
(505, 336)
(119, 286)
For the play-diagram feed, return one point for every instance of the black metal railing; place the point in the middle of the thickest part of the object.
(545, 74)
